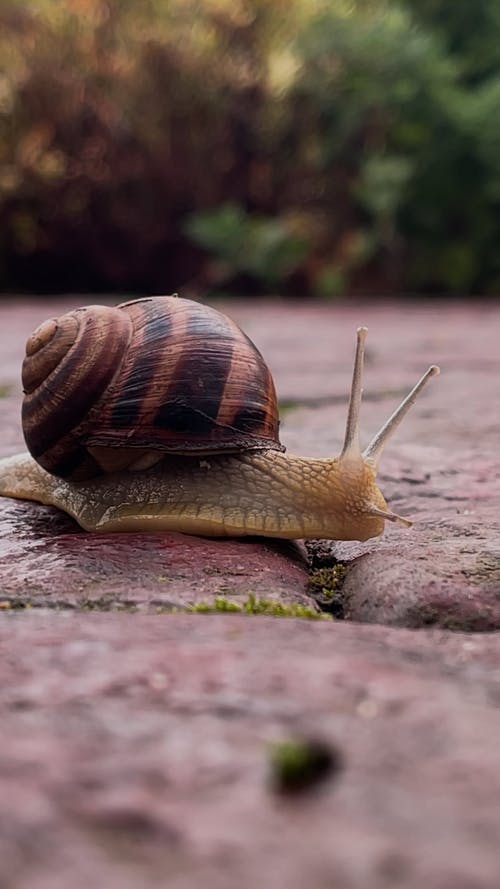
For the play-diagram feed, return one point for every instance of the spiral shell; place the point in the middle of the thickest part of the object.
(110, 388)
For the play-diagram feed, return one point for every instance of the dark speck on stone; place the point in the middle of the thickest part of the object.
(300, 764)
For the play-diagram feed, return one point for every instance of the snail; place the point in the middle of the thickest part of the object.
(161, 414)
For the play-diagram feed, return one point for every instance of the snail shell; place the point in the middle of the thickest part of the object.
(113, 388)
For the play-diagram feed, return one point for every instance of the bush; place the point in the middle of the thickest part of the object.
(266, 250)
(307, 147)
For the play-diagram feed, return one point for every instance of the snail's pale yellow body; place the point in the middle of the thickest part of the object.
(161, 414)
(268, 493)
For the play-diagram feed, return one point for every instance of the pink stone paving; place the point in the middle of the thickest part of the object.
(135, 748)
(136, 752)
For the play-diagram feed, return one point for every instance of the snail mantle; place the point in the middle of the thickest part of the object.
(161, 415)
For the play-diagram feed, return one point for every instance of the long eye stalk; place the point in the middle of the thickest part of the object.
(351, 446)
(378, 443)
(351, 450)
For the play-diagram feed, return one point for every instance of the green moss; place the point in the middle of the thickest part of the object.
(220, 603)
(325, 585)
(255, 605)
(299, 764)
(4, 391)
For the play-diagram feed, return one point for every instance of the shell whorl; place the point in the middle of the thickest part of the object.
(70, 362)
(106, 386)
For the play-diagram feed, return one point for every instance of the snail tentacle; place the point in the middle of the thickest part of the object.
(351, 448)
(374, 450)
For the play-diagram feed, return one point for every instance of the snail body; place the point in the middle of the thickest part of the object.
(181, 434)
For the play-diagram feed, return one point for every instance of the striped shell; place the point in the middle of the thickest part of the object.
(114, 388)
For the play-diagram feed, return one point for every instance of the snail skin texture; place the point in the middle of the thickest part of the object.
(182, 432)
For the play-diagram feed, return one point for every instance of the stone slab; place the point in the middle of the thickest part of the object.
(47, 561)
(136, 750)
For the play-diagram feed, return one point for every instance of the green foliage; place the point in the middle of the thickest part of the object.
(219, 604)
(308, 146)
(263, 248)
(424, 170)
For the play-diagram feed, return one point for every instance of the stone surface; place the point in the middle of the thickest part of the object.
(136, 751)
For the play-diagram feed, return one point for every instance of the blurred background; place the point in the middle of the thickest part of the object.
(300, 147)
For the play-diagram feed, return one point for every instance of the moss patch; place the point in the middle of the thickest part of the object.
(325, 586)
(255, 605)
